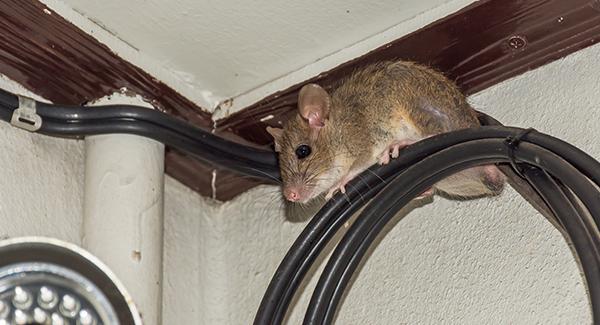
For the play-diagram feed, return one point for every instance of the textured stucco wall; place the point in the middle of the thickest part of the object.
(491, 261)
(41, 181)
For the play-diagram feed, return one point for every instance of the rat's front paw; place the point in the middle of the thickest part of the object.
(393, 150)
(330, 193)
(341, 185)
(333, 190)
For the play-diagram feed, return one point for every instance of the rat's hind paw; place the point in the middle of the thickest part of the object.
(426, 194)
(393, 150)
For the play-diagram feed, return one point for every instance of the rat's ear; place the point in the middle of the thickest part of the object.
(313, 105)
(276, 133)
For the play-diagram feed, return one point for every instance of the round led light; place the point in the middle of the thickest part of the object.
(47, 298)
(86, 318)
(21, 298)
(39, 315)
(58, 319)
(45, 281)
(69, 306)
(21, 317)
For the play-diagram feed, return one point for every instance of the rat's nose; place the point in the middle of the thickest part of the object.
(292, 194)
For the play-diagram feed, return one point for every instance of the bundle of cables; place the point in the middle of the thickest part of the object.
(76, 121)
(559, 180)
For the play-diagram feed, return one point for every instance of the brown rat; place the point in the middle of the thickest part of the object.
(371, 115)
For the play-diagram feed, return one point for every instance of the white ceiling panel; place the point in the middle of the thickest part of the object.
(231, 47)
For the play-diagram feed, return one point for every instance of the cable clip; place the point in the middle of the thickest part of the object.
(512, 142)
(25, 116)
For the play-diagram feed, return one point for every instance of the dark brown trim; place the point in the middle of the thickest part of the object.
(481, 45)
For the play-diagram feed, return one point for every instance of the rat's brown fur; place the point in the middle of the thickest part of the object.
(369, 110)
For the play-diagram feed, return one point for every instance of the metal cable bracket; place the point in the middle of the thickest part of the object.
(25, 116)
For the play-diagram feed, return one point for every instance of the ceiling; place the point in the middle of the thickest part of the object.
(227, 48)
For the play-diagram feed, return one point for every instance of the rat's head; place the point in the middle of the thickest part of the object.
(305, 153)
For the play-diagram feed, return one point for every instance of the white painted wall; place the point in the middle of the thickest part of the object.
(492, 261)
(41, 181)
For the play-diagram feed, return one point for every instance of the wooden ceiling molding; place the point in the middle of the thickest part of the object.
(478, 46)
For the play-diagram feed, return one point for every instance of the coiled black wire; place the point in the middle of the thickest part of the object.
(335, 213)
(351, 249)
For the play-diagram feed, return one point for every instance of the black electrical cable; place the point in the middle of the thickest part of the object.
(571, 215)
(322, 227)
(158, 120)
(312, 321)
(570, 178)
(584, 235)
(199, 149)
(81, 121)
(326, 296)
(413, 181)
(316, 234)
(586, 217)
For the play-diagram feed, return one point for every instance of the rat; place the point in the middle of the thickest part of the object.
(372, 114)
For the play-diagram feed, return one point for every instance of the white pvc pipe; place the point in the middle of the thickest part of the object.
(123, 211)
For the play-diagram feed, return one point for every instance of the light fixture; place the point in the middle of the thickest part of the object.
(51, 282)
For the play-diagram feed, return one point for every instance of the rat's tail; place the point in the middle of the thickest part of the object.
(474, 182)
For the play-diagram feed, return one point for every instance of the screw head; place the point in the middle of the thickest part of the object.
(516, 42)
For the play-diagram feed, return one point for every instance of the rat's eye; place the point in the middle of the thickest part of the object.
(303, 151)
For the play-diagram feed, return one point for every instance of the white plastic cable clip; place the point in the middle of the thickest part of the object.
(25, 116)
